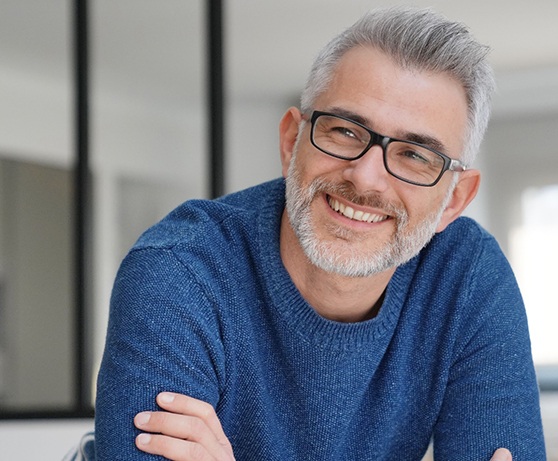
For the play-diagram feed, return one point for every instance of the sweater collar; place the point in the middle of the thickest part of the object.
(286, 302)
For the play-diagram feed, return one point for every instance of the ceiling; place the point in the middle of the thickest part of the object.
(154, 50)
(521, 34)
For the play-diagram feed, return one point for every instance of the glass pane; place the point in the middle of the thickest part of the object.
(148, 145)
(36, 296)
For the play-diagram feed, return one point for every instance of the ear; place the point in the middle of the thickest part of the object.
(465, 191)
(288, 132)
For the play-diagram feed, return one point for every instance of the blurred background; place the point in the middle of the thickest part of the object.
(148, 143)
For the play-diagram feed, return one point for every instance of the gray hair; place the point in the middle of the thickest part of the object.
(419, 39)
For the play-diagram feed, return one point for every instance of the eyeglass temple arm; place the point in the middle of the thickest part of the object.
(456, 165)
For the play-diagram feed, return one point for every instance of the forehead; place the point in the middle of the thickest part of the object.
(395, 100)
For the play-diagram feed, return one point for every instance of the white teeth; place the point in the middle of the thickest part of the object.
(348, 212)
(357, 215)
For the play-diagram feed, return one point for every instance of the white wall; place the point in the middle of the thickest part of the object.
(40, 440)
(253, 140)
(519, 148)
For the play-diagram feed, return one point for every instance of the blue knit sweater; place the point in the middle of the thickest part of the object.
(203, 305)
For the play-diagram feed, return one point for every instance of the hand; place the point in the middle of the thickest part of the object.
(501, 454)
(187, 430)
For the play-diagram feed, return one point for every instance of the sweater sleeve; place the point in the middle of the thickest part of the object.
(492, 397)
(163, 335)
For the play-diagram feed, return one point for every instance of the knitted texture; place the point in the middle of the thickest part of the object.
(202, 305)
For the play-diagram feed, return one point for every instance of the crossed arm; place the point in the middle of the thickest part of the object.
(189, 430)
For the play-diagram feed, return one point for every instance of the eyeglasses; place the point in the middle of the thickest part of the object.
(408, 161)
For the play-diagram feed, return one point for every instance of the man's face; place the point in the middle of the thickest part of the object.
(352, 217)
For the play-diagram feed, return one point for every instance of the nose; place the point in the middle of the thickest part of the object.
(368, 173)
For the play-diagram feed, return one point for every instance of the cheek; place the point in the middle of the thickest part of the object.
(304, 167)
(420, 204)
(312, 164)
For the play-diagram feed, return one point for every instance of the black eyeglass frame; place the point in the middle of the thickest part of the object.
(450, 164)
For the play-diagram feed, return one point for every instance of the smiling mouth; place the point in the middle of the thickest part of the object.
(355, 215)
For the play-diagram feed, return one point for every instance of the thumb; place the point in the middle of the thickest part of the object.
(501, 454)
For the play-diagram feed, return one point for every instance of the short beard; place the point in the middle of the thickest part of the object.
(340, 256)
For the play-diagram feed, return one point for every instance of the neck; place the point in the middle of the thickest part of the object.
(333, 296)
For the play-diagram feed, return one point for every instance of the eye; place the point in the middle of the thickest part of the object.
(415, 156)
(348, 134)
(412, 155)
(331, 129)
(344, 131)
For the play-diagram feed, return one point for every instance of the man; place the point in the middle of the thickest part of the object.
(345, 313)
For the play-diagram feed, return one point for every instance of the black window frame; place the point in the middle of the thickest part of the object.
(82, 405)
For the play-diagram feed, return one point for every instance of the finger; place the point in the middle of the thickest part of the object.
(501, 454)
(175, 449)
(185, 405)
(183, 427)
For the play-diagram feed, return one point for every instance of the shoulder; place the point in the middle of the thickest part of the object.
(464, 267)
(466, 257)
(200, 244)
(465, 243)
(472, 280)
(463, 229)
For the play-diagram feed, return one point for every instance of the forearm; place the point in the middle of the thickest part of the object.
(157, 341)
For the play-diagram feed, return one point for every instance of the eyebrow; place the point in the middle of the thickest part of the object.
(425, 140)
(419, 138)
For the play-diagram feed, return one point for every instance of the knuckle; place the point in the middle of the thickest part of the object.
(206, 410)
(197, 452)
(196, 428)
